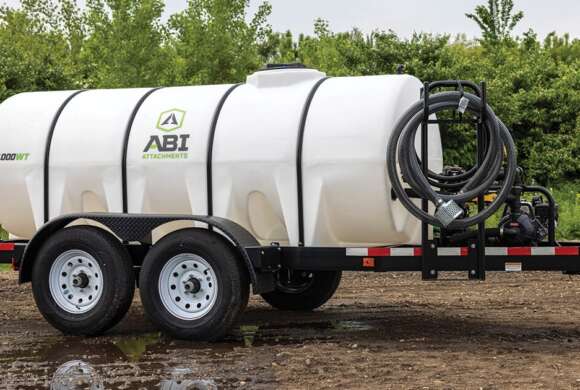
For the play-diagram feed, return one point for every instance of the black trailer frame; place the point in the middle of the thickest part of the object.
(429, 258)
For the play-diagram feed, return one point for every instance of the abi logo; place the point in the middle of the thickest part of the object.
(168, 121)
(171, 120)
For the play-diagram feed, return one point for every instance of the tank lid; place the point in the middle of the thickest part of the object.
(279, 75)
(293, 65)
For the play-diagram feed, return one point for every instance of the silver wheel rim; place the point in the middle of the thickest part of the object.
(76, 281)
(188, 286)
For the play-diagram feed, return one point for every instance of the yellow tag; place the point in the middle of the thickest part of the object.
(490, 197)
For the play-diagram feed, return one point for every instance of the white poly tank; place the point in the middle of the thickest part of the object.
(166, 134)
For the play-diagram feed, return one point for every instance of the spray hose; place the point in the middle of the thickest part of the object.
(499, 161)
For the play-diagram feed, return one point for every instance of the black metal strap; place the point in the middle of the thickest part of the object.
(126, 147)
(47, 153)
(209, 158)
(300, 184)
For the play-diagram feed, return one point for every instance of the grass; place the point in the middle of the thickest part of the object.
(568, 198)
(5, 267)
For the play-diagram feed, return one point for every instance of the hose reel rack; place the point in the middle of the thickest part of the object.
(496, 156)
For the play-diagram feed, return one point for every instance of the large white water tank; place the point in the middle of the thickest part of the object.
(346, 191)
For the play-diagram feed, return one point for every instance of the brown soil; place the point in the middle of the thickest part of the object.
(379, 331)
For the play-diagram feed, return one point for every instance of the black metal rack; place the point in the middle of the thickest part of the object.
(428, 269)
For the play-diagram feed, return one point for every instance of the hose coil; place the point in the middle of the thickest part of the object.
(500, 153)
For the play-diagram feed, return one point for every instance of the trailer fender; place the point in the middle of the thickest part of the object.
(136, 227)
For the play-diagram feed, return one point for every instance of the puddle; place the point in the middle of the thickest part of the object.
(80, 375)
(149, 360)
(76, 375)
(249, 334)
(272, 334)
(359, 326)
(183, 378)
(135, 347)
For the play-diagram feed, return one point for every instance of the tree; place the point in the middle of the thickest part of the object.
(497, 20)
(125, 44)
(36, 54)
(214, 43)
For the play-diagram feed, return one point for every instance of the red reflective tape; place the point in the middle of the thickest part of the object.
(464, 251)
(417, 251)
(567, 251)
(378, 252)
(519, 251)
(6, 247)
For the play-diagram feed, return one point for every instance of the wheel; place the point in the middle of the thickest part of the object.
(193, 285)
(303, 290)
(83, 281)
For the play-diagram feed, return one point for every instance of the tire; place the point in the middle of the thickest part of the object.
(90, 251)
(306, 291)
(215, 301)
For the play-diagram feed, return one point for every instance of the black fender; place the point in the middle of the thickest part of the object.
(136, 227)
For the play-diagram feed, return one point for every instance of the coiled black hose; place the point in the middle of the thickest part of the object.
(460, 188)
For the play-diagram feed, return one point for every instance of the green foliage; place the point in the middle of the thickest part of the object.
(124, 44)
(35, 52)
(213, 43)
(555, 159)
(497, 20)
(568, 198)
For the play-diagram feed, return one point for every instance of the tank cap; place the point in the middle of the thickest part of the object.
(293, 65)
(278, 75)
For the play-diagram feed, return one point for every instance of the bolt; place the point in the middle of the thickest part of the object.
(433, 272)
(472, 246)
(432, 246)
(472, 272)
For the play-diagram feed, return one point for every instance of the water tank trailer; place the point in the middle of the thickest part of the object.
(200, 194)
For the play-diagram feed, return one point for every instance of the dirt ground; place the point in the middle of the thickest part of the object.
(379, 331)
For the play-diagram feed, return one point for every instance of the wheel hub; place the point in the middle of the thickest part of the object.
(294, 282)
(192, 285)
(80, 280)
(76, 281)
(188, 286)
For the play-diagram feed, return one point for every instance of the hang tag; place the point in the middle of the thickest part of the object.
(463, 104)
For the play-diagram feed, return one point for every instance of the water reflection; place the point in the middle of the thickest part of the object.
(135, 347)
(182, 379)
(249, 334)
(79, 375)
(139, 361)
(76, 375)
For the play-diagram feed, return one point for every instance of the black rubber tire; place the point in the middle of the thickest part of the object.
(118, 280)
(323, 287)
(232, 281)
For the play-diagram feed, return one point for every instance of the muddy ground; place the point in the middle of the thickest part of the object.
(379, 331)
